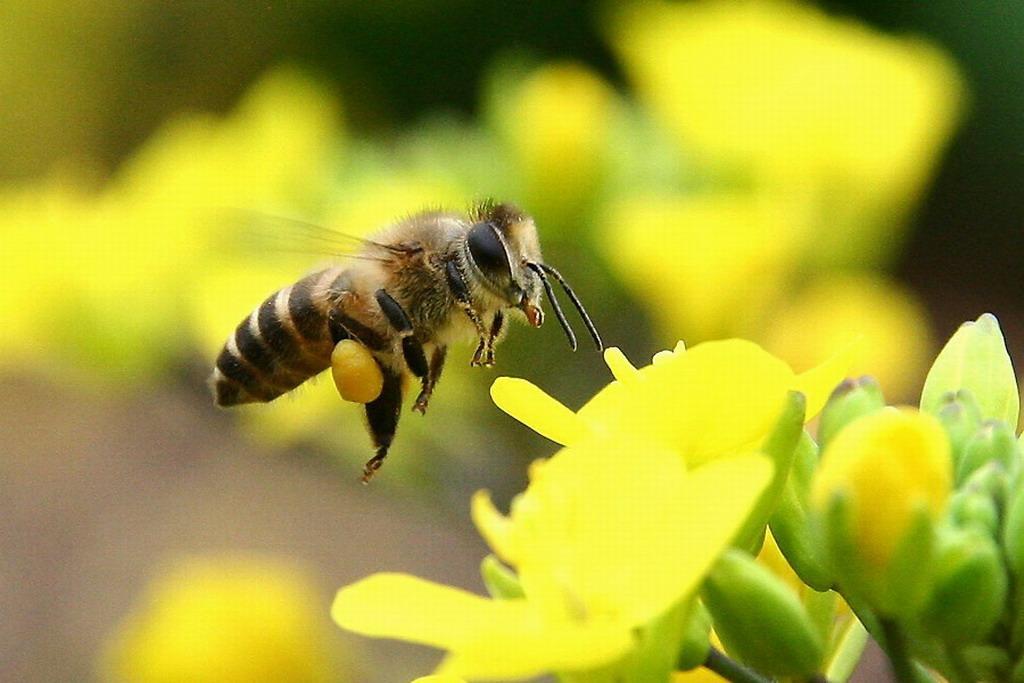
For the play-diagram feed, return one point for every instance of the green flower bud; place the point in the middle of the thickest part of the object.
(881, 485)
(850, 400)
(1013, 533)
(696, 641)
(975, 358)
(970, 508)
(760, 619)
(990, 479)
(790, 523)
(993, 442)
(499, 580)
(969, 588)
(960, 417)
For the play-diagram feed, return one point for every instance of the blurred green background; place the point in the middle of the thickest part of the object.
(793, 175)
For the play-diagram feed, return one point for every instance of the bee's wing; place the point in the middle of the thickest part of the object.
(261, 234)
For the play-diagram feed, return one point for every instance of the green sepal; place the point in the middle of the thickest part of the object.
(779, 447)
(759, 619)
(696, 639)
(993, 442)
(960, 416)
(790, 523)
(852, 399)
(970, 508)
(846, 654)
(895, 590)
(655, 655)
(500, 581)
(968, 588)
(975, 358)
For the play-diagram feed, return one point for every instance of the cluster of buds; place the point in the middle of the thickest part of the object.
(916, 515)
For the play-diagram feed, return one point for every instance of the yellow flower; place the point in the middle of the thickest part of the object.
(716, 399)
(605, 538)
(896, 346)
(556, 121)
(796, 97)
(223, 620)
(891, 467)
(706, 266)
(440, 678)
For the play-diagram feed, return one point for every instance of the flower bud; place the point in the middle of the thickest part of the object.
(960, 417)
(742, 596)
(356, 372)
(969, 588)
(975, 358)
(1013, 533)
(696, 641)
(790, 524)
(970, 508)
(500, 581)
(850, 400)
(993, 442)
(882, 482)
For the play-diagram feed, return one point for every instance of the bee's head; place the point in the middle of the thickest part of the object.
(503, 246)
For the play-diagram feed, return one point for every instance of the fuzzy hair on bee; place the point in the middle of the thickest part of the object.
(409, 291)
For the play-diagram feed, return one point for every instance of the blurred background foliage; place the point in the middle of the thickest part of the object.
(792, 174)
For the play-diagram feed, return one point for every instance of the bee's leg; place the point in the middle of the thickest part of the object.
(436, 366)
(460, 290)
(382, 416)
(412, 348)
(497, 327)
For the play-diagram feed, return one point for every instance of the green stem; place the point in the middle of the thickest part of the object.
(732, 670)
(896, 649)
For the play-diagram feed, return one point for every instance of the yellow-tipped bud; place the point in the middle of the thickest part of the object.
(355, 372)
(882, 482)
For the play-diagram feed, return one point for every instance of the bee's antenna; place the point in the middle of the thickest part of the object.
(576, 302)
(537, 268)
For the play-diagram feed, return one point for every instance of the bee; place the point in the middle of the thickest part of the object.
(411, 290)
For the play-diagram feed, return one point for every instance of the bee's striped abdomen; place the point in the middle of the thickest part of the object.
(281, 344)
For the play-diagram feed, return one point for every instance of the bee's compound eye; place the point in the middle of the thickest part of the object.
(487, 251)
(356, 373)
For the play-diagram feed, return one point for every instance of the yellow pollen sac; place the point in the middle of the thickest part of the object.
(355, 372)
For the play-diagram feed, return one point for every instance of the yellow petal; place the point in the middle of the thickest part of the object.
(714, 399)
(620, 366)
(493, 526)
(818, 383)
(537, 410)
(409, 608)
(524, 651)
(486, 638)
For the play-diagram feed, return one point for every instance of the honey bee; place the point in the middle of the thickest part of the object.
(410, 291)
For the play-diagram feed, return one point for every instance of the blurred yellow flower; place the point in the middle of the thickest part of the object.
(889, 467)
(556, 122)
(716, 399)
(817, 104)
(896, 341)
(439, 678)
(582, 538)
(111, 274)
(223, 620)
(705, 266)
